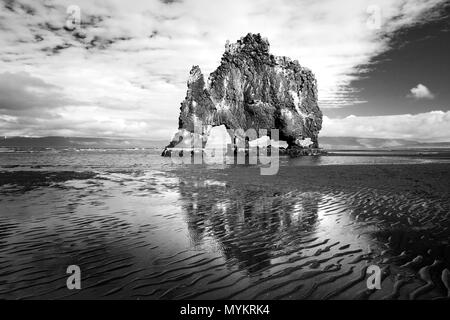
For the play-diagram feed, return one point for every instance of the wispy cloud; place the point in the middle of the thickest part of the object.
(129, 60)
(420, 92)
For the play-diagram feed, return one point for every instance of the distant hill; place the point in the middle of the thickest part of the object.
(330, 143)
(354, 143)
(77, 142)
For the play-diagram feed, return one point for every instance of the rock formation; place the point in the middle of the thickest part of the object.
(254, 89)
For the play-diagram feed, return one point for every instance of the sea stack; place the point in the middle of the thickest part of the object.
(252, 89)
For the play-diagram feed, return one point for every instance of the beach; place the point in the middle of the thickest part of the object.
(141, 228)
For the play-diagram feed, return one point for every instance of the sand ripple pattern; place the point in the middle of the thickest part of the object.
(207, 234)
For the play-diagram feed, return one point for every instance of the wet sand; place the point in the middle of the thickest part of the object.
(200, 233)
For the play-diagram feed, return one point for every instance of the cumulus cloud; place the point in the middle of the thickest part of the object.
(130, 61)
(420, 92)
(430, 126)
(30, 106)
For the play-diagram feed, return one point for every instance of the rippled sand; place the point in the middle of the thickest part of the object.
(194, 232)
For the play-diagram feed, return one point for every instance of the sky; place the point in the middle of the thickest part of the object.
(97, 68)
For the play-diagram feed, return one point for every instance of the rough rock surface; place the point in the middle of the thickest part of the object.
(254, 89)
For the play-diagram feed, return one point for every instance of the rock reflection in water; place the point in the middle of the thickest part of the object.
(248, 225)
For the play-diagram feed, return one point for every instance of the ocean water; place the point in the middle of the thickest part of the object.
(140, 227)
